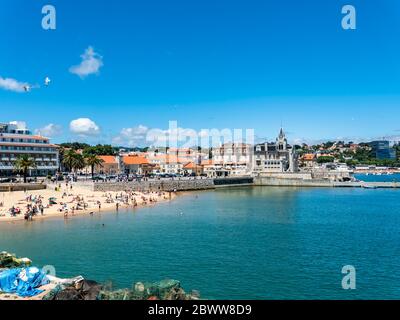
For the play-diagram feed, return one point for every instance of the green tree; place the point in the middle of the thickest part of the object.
(78, 162)
(73, 160)
(329, 144)
(93, 161)
(68, 158)
(99, 150)
(23, 164)
(325, 159)
(75, 145)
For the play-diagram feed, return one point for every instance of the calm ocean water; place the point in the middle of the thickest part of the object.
(381, 178)
(239, 243)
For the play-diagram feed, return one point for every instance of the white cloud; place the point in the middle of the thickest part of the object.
(21, 125)
(12, 85)
(142, 135)
(84, 127)
(131, 137)
(51, 130)
(135, 133)
(172, 136)
(90, 64)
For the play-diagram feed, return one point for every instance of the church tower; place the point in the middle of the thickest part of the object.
(281, 141)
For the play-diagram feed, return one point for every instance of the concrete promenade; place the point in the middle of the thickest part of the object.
(186, 184)
(282, 182)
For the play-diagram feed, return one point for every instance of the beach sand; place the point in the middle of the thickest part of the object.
(18, 199)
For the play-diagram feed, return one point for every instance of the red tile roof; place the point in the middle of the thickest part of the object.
(207, 162)
(131, 160)
(109, 159)
(191, 165)
(308, 157)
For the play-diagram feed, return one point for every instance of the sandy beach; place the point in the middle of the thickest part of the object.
(68, 202)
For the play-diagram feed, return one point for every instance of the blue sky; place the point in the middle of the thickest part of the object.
(207, 64)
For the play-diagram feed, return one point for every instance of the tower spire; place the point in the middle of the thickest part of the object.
(281, 133)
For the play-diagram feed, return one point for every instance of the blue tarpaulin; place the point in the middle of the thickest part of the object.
(22, 281)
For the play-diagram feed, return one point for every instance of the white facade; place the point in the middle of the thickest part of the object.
(16, 140)
(231, 159)
(278, 157)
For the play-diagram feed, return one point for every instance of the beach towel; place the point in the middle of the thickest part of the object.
(23, 281)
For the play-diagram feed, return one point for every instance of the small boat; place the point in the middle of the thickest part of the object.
(369, 187)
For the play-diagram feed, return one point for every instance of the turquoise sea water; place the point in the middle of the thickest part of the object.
(376, 178)
(238, 243)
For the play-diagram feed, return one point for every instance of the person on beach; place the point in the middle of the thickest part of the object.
(117, 206)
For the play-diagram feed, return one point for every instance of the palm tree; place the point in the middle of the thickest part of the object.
(78, 162)
(68, 158)
(73, 160)
(61, 152)
(93, 160)
(24, 163)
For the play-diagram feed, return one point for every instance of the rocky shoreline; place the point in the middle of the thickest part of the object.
(78, 288)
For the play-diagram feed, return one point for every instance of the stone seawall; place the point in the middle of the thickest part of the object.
(162, 185)
(282, 182)
(8, 187)
(172, 185)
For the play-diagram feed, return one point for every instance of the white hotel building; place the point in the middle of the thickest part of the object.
(17, 140)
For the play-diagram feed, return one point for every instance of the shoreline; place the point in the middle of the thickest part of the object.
(67, 197)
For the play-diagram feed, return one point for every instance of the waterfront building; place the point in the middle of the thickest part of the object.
(135, 164)
(172, 165)
(156, 158)
(232, 153)
(277, 157)
(17, 140)
(382, 150)
(192, 168)
(110, 166)
(308, 160)
(187, 154)
(213, 170)
(231, 159)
